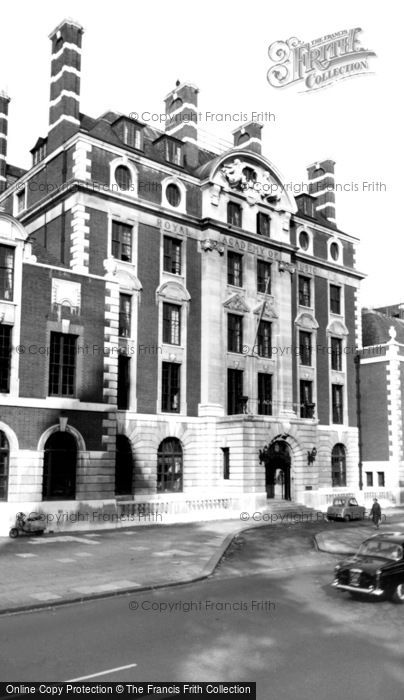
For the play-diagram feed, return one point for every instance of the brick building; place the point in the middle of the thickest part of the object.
(178, 330)
(381, 404)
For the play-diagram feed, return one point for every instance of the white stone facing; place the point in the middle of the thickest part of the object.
(79, 243)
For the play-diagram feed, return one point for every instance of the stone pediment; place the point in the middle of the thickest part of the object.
(337, 328)
(306, 320)
(173, 291)
(269, 311)
(236, 303)
(128, 280)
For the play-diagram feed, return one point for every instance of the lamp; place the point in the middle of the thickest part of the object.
(311, 456)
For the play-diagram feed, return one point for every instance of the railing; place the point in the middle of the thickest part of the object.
(144, 509)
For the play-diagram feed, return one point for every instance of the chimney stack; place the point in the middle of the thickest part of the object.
(65, 82)
(248, 136)
(4, 100)
(322, 187)
(182, 112)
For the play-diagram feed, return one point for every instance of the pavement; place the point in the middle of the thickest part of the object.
(55, 569)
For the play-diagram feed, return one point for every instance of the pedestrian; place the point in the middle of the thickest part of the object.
(376, 513)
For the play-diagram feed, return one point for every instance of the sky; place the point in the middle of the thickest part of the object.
(134, 52)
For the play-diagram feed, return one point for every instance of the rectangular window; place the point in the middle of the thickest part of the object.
(122, 241)
(337, 404)
(263, 277)
(132, 135)
(172, 324)
(369, 478)
(226, 462)
(234, 214)
(125, 304)
(263, 223)
(234, 391)
(5, 358)
(6, 272)
(336, 354)
(20, 199)
(39, 154)
(173, 152)
(264, 394)
(172, 255)
(234, 333)
(305, 348)
(123, 382)
(264, 339)
(62, 364)
(335, 299)
(380, 479)
(170, 400)
(234, 269)
(306, 399)
(304, 291)
(4, 459)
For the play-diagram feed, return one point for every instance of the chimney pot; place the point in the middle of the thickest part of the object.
(248, 136)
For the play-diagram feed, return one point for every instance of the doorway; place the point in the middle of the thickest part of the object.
(277, 471)
(60, 462)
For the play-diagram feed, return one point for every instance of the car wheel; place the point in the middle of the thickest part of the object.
(13, 532)
(356, 596)
(347, 518)
(398, 593)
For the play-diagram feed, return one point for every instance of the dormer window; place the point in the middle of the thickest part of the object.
(39, 151)
(130, 133)
(40, 154)
(132, 136)
(173, 152)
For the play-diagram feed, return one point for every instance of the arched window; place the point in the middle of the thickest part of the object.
(123, 177)
(59, 473)
(4, 461)
(173, 194)
(169, 465)
(338, 465)
(123, 466)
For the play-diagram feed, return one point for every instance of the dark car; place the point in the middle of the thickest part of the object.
(345, 508)
(377, 569)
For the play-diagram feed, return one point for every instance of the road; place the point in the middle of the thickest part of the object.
(267, 615)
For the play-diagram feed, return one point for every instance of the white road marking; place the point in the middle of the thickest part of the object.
(25, 555)
(62, 538)
(66, 560)
(139, 548)
(83, 554)
(101, 673)
(45, 596)
(105, 587)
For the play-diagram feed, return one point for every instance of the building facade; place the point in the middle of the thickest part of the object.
(178, 330)
(381, 402)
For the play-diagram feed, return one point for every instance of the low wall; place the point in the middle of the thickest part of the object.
(156, 509)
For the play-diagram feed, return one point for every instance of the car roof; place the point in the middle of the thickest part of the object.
(395, 537)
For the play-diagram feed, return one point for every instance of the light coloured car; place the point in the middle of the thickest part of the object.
(345, 508)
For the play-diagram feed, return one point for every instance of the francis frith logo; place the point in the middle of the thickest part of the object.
(318, 63)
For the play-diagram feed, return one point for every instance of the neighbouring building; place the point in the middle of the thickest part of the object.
(381, 402)
(178, 331)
